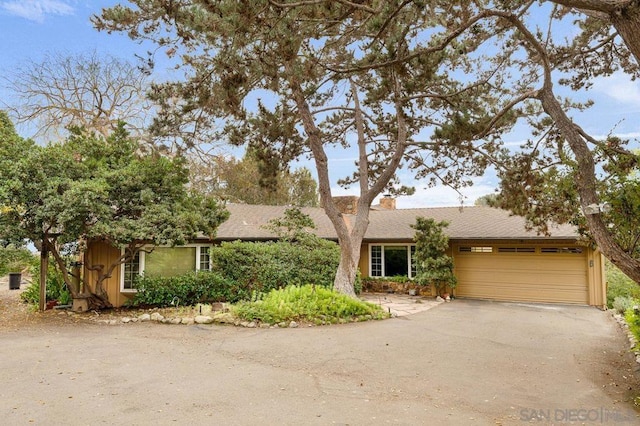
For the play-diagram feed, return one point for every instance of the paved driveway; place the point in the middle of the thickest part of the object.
(465, 362)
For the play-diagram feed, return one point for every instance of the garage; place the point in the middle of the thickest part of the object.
(524, 273)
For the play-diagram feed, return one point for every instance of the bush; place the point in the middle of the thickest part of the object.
(619, 285)
(632, 316)
(14, 259)
(307, 303)
(622, 303)
(261, 267)
(56, 288)
(189, 289)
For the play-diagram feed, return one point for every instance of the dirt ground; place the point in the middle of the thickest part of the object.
(465, 362)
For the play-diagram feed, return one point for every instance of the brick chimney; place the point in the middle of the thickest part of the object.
(388, 202)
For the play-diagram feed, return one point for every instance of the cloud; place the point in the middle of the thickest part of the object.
(36, 10)
(620, 88)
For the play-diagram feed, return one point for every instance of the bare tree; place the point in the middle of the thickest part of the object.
(84, 90)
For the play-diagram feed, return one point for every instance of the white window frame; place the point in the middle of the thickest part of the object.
(141, 254)
(382, 267)
(142, 263)
(199, 252)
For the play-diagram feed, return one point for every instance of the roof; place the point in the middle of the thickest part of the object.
(246, 222)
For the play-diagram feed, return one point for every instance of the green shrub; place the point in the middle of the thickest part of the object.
(262, 267)
(56, 288)
(632, 316)
(14, 259)
(619, 285)
(307, 303)
(622, 303)
(188, 289)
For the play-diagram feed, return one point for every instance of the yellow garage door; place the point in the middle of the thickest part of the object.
(522, 273)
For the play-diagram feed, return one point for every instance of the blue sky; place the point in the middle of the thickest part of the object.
(30, 29)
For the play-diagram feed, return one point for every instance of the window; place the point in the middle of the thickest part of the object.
(166, 262)
(569, 250)
(170, 261)
(468, 249)
(516, 249)
(204, 258)
(392, 260)
(131, 269)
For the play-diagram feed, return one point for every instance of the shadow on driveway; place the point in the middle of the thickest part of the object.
(464, 362)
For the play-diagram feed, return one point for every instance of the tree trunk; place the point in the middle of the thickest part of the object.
(348, 266)
(44, 267)
(627, 23)
(586, 185)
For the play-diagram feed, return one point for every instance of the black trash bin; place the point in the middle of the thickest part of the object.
(14, 280)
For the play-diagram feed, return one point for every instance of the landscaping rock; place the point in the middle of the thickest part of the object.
(252, 324)
(156, 316)
(203, 319)
(293, 324)
(126, 320)
(224, 318)
(187, 321)
(144, 317)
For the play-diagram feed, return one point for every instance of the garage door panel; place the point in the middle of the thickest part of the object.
(529, 294)
(533, 277)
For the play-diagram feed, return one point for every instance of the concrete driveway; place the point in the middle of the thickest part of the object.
(465, 362)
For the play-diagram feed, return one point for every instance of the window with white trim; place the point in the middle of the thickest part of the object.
(388, 260)
(165, 262)
(130, 270)
(204, 258)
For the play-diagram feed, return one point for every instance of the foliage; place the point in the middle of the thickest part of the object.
(186, 290)
(262, 266)
(56, 287)
(619, 285)
(632, 316)
(89, 187)
(622, 303)
(428, 85)
(307, 303)
(14, 259)
(433, 265)
(400, 279)
(240, 181)
(293, 226)
(296, 79)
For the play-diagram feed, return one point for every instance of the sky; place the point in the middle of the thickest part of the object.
(31, 29)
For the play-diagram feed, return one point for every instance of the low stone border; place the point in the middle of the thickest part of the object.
(217, 318)
(633, 343)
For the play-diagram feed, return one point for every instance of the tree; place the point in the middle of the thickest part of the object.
(63, 195)
(375, 76)
(294, 226)
(241, 181)
(489, 200)
(433, 265)
(623, 15)
(85, 90)
(566, 168)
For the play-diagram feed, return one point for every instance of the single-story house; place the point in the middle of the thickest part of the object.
(495, 256)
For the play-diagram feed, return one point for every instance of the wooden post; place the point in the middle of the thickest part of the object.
(44, 267)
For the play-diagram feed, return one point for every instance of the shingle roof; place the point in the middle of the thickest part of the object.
(246, 223)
